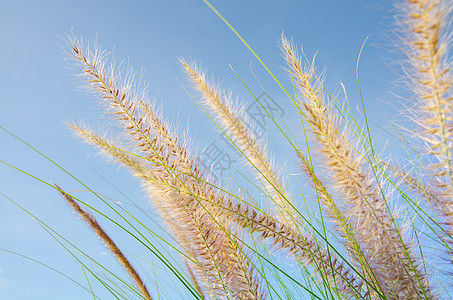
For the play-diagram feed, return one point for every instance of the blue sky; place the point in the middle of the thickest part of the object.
(40, 92)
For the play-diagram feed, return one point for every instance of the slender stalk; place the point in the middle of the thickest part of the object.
(109, 243)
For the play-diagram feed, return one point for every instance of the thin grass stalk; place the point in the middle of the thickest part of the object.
(109, 243)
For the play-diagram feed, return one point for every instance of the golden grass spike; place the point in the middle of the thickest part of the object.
(432, 82)
(236, 126)
(390, 262)
(109, 243)
(430, 77)
(122, 100)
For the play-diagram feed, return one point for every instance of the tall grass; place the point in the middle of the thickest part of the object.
(365, 235)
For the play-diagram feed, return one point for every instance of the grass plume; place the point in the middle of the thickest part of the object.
(429, 71)
(235, 124)
(109, 243)
(383, 254)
